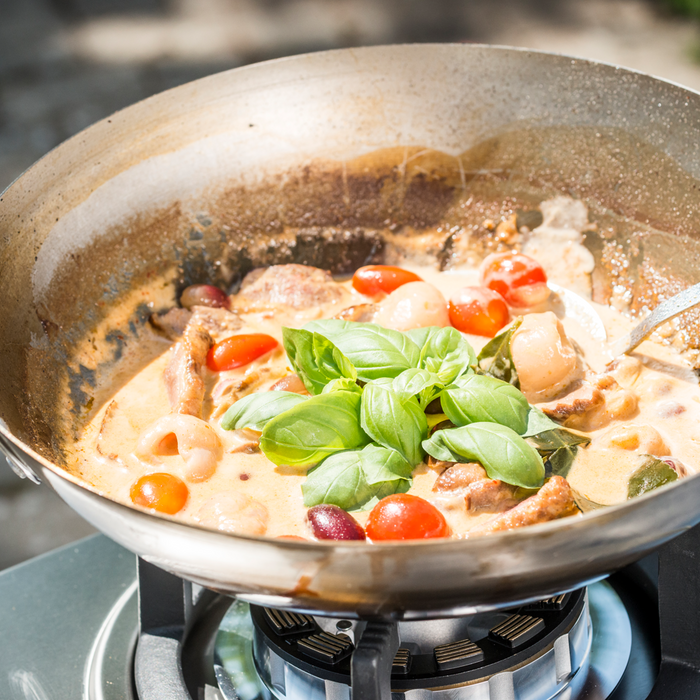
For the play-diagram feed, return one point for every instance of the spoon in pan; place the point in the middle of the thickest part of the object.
(577, 307)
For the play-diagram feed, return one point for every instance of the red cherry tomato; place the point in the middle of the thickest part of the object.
(519, 279)
(405, 517)
(239, 350)
(162, 492)
(381, 279)
(479, 311)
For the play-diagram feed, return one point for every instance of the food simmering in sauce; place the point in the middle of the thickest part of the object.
(406, 403)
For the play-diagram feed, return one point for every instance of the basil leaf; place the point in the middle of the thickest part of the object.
(381, 464)
(387, 488)
(447, 353)
(375, 351)
(652, 474)
(478, 398)
(342, 384)
(339, 480)
(315, 358)
(538, 422)
(328, 327)
(497, 350)
(417, 382)
(255, 410)
(420, 335)
(357, 478)
(310, 431)
(398, 425)
(500, 451)
(559, 447)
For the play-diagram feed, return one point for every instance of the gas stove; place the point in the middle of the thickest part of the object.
(91, 621)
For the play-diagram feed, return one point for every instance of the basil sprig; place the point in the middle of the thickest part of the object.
(357, 478)
(314, 429)
(255, 410)
(394, 423)
(364, 428)
(478, 398)
(500, 451)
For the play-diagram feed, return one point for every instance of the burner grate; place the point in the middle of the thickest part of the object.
(457, 655)
(461, 654)
(517, 630)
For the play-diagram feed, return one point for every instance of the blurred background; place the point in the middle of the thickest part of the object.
(65, 64)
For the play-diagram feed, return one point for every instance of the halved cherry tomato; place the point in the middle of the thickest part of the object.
(478, 310)
(239, 350)
(162, 492)
(405, 517)
(519, 279)
(381, 279)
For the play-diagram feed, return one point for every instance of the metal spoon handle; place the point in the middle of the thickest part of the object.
(663, 312)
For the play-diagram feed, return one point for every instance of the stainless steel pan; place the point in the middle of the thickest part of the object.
(305, 159)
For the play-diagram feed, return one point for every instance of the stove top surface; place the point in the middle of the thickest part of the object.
(70, 626)
(52, 609)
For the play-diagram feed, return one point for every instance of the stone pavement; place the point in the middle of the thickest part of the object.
(65, 64)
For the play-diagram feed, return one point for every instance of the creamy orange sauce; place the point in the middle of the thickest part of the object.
(127, 402)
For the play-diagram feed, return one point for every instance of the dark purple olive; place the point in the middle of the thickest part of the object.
(332, 523)
(203, 295)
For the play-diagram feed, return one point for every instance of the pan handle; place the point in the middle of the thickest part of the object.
(17, 464)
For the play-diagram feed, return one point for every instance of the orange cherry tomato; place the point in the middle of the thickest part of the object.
(479, 311)
(405, 517)
(239, 350)
(162, 492)
(381, 279)
(519, 279)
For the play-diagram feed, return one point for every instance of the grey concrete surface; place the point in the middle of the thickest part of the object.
(65, 64)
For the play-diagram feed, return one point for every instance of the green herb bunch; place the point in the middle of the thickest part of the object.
(364, 428)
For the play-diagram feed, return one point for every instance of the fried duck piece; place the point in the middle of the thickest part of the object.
(298, 286)
(183, 375)
(554, 500)
(172, 323)
(363, 313)
(480, 492)
(490, 495)
(459, 476)
(593, 404)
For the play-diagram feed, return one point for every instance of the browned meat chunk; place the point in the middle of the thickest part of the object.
(172, 323)
(582, 399)
(298, 286)
(490, 495)
(597, 401)
(218, 322)
(183, 375)
(554, 500)
(362, 313)
(230, 388)
(459, 476)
